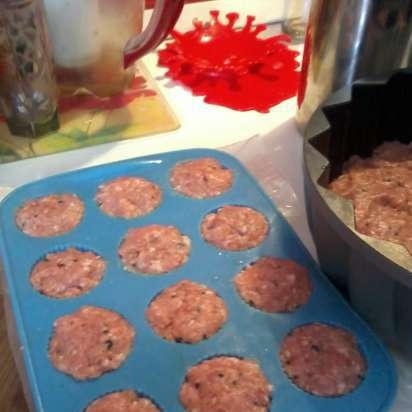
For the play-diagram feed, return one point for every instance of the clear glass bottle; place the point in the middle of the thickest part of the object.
(295, 18)
(28, 91)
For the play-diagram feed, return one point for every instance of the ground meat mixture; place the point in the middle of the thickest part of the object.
(201, 178)
(68, 273)
(51, 215)
(124, 401)
(322, 360)
(226, 384)
(128, 197)
(235, 228)
(154, 249)
(274, 285)
(187, 312)
(90, 342)
(381, 190)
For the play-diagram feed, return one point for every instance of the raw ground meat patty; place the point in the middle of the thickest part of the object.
(68, 273)
(201, 178)
(274, 285)
(51, 215)
(235, 228)
(128, 197)
(154, 249)
(124, 401)
(90, 342)
(322, 360)
(187, 312)
(381, 190)
(225, 384)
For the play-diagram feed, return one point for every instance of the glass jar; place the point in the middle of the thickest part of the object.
(88, 39)
(95, 41)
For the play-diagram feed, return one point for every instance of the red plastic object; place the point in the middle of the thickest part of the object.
(233, 67)
(150, 3)
(164, 18)
(137, 89)
(305, 65)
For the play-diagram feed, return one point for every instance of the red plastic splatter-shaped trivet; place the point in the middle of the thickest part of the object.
(233, 67)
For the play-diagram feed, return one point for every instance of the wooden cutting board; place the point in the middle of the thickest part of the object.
(11, 392)
(86, 120)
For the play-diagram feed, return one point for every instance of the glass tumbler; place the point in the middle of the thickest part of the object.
(296, 15)
(28, 92)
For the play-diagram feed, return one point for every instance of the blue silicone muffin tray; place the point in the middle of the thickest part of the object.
(156, 367)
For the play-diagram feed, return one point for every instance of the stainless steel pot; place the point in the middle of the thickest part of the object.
(350, 39)
(375, 275)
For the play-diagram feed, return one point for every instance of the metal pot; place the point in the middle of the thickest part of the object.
(375, 275)
(350, 39)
